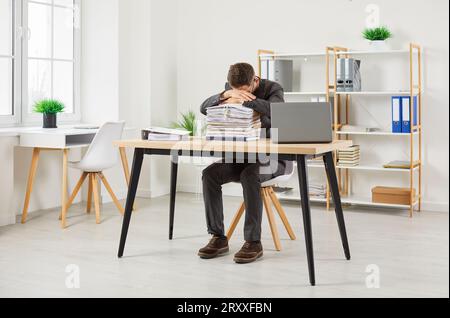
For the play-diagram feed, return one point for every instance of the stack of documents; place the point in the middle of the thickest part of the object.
(233, 122)
(165, 134)
(349, 157)
(317, 191)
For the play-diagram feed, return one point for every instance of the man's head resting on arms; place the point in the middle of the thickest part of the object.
(243, 82)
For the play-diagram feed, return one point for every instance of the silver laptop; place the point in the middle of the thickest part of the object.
(294, 123)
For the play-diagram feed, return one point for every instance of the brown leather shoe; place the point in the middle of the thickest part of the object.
(250, 252)
(217, 246)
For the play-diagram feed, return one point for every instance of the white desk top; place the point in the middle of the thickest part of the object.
(60, 131)
(63, 130)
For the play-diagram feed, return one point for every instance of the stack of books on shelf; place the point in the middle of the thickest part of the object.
(318, 191)
(233, 122)
(349, 157)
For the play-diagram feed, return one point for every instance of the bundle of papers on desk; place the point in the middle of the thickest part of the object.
(233, 122)
(165, 134)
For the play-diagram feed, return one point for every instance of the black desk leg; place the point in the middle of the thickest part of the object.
(173, 193)
(303, 179)
(134, 181)
(331, 172)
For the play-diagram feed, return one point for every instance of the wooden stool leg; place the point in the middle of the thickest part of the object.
(96, 197)
(282, 214)
(76, 190)
(271, 217)
(31, 176)
(89, 198)
(111, 193)
(64, 188)
(236, 220)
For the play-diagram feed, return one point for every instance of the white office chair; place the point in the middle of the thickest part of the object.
(101, 155)
(268, 195)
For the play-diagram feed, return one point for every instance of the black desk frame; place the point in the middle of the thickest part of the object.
(304, 191)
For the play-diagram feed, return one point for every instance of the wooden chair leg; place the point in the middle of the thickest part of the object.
(282, 214)
(76, 190)
(64, 188)
(271, 218)
(236, 220)
(31, 177)
(111, 193)
(89, 198)
(95, 189)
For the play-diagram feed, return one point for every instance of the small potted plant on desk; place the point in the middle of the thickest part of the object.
(377, 38)
(49, 108)
(188, 122)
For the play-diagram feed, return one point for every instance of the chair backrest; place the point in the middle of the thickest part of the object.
(102, 154)
(290, 168)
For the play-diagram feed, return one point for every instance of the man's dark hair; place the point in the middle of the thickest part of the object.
(241, 74)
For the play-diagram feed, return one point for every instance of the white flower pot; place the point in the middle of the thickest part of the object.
(378, 46)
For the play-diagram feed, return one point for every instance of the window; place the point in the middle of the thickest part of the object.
(7, 61)
(47, 37)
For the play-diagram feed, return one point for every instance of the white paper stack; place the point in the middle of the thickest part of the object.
(349, 157)
(165, 134)
(317, 191)
(233, 122)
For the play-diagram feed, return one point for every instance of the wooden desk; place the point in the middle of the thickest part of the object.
(62, 139)
(242, 151)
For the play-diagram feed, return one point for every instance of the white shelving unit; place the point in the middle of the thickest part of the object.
(329, 56)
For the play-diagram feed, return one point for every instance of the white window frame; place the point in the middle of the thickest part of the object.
(14, 119)
(21, 116)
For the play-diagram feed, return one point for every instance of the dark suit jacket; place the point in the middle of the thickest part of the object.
(268, 92)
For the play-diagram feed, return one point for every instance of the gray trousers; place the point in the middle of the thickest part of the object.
(251, 176)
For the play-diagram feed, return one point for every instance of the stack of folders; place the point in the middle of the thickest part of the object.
(233, 122)
(318, 191)
(401, 114)
(164, 134)
(349, 157)
(348, 75)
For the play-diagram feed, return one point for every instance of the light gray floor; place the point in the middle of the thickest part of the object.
(412, 256)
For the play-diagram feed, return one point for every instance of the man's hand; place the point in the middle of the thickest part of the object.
(239, 95)
(236, 101)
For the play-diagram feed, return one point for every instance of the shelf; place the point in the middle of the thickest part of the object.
(363, 168)
(374, 52)
(380, 133)
(366, 201)
(351, 200)
(377, 93)
(291, 55)
(304, 93)
(294, 196)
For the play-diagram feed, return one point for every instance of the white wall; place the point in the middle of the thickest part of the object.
(214, 34)
(100, 61)
(164, 105)
(148, 86)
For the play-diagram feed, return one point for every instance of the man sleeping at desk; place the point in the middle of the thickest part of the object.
(244, 88)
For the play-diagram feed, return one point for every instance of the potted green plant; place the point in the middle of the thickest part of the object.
(377, 37)
(49, 108)
(188, 122)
